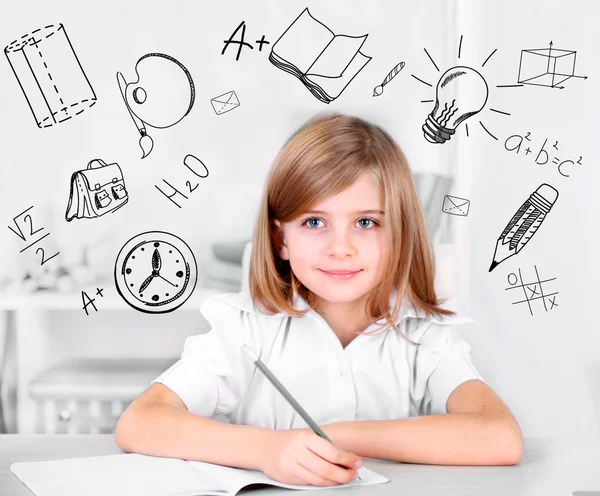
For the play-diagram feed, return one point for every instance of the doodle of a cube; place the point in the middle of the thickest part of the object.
(50, 75)
(546, 66)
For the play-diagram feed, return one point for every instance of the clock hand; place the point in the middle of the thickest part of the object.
(166, 280)
(147, 282)
(156, 262)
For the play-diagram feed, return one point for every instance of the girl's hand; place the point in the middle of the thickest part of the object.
(299, 456)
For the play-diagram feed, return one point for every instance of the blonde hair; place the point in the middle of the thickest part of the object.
(321, 159)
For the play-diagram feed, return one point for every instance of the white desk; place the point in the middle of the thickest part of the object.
(549, 468)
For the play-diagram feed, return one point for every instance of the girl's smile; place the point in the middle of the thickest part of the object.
(340, 275)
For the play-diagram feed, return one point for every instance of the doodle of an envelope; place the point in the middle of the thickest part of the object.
(224, 103)
(455, 205)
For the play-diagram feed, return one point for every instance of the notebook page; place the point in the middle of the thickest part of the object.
(336, 57)
(129, 474)
(303, 41)
(234, 479)
(333, 86)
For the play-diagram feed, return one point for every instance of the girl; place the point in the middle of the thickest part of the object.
(342, 309)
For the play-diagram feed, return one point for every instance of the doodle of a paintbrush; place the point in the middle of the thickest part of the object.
(146, 143)
(392, 74)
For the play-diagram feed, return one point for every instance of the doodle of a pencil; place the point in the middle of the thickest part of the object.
(524, 224)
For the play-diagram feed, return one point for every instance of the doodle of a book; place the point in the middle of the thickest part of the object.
(323, 61)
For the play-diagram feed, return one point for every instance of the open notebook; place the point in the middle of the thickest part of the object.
(134, 474)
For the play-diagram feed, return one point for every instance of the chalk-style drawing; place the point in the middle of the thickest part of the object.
(155, 272)
(378, 90)
(225, 102)
(95, 191)
(461, 92)
(175, 192)
(524, 223)
(160, 97)
(323, 61)
(262, 42)
(29, 233)
(454, 205)
(190, 161)
(242, 43)
(50, 75)
(453, 107)
(548, 67)
(513, 144)
(87, 301)
(532, 291)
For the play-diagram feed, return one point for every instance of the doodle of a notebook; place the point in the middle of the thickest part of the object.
(323, 61)
(134, 474)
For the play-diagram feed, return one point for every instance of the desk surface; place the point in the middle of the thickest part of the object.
(549, 468)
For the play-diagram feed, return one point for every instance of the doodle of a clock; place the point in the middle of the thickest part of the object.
(155, 272)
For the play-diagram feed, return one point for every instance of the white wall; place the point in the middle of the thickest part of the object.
(545, 366)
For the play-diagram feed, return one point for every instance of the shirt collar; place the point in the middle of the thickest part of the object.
(406, 311)
(243, 301)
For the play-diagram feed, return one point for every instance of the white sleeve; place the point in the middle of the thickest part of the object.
(212, 376)
(443, 362)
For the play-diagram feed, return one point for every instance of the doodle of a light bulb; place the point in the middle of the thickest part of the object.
(451, 107)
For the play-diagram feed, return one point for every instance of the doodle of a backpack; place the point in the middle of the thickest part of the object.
(95, 191)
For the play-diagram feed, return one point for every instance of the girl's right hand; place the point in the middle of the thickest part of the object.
(301, 457)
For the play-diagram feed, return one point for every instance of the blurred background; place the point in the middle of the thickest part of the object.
(65, 368)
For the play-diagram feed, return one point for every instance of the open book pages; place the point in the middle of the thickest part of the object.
(323, 61)
(133, 474)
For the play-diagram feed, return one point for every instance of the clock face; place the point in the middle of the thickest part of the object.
(155, 272)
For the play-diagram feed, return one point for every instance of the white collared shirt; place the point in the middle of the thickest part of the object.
(376, 377)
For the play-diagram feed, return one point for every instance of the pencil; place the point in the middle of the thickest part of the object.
(286, 394)
(524, 223)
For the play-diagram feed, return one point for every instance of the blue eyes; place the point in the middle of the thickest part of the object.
(313, 227)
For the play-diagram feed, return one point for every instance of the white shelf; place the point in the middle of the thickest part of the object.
(50, 300)
(34, 334)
